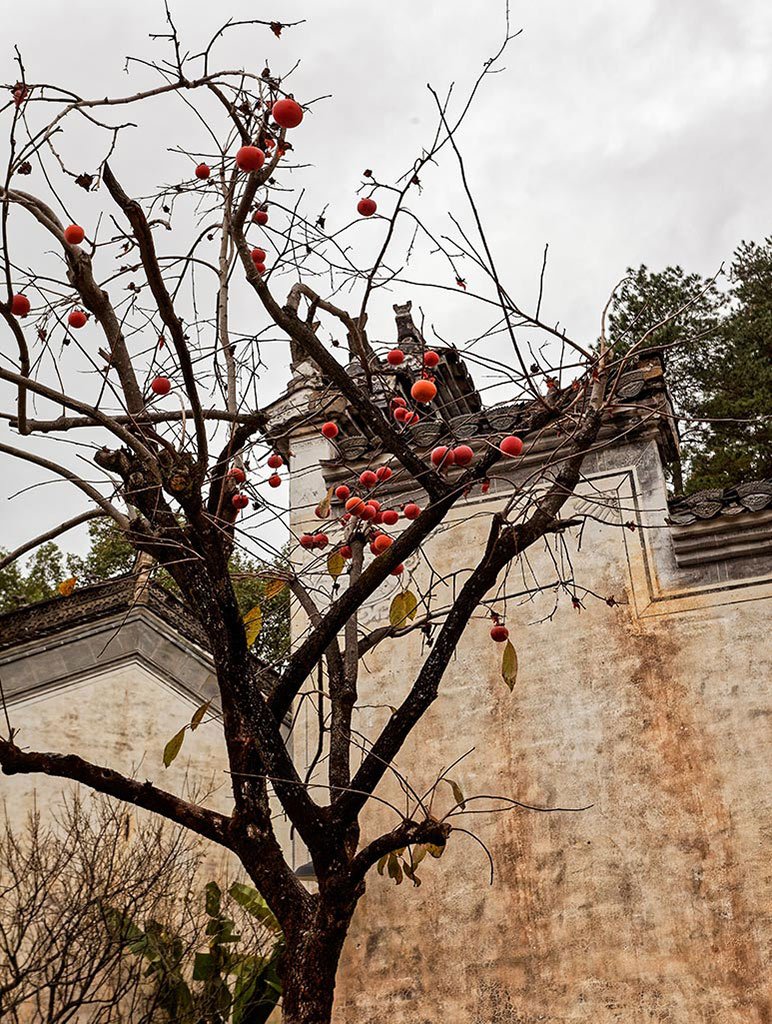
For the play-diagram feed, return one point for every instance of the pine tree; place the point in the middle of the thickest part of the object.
(740, 384)
(717, 354)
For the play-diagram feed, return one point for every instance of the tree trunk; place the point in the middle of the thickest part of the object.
(310, 964)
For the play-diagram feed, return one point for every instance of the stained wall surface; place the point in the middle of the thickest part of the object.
(113, 693)
(653, 903)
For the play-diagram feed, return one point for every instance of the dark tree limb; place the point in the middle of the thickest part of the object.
(305, 338)
(344, 693)
(209, 824)
(172, 416)
(405, 834)
(382, 633)
(93, 296)
(358, 344)
(24, 364)
(96, 417)
(107, 507)
(307, 603)
(247, 426)
(144, 237)
(504, 544)
(308, 653)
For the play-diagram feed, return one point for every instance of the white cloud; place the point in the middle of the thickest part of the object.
(619, 132)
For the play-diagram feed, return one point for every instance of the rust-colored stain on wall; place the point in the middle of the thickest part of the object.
(651, 906)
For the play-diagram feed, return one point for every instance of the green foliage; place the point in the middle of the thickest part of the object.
(689, 340)
(741, 380)
(272, 642)
(251, 900)
(224, 983)
(45, 570)
(717, 356)
(110, 554)
(164, 954)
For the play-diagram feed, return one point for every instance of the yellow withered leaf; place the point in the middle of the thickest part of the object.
(66, 587)
(394, 868)
(458, 795)
(418, 853)
(274, 587)
(403, 607)
(336, 563)
(253, 623)
(173, 747)
(397, 610)
(509, 665)
(323, 508)
(198, 716)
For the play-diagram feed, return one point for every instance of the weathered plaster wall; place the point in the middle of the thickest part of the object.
(114, 692)
(654, 903)
(118, 712)
(122, 685)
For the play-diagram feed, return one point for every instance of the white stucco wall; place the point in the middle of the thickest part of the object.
(653, 904)
(120, 717)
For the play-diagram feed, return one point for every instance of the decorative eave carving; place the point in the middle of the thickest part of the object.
(98, 600)
(752, 496)
(642, 410)
(716, 525)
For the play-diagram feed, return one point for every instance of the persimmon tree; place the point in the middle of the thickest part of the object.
(144, 295)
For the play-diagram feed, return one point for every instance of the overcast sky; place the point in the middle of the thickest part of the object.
(619, 132)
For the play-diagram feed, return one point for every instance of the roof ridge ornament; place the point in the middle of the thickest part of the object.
(408, 335)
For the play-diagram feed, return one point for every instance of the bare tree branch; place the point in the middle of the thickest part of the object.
(67, 474)
(144, 237)
(55, 531)
(209, 824)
